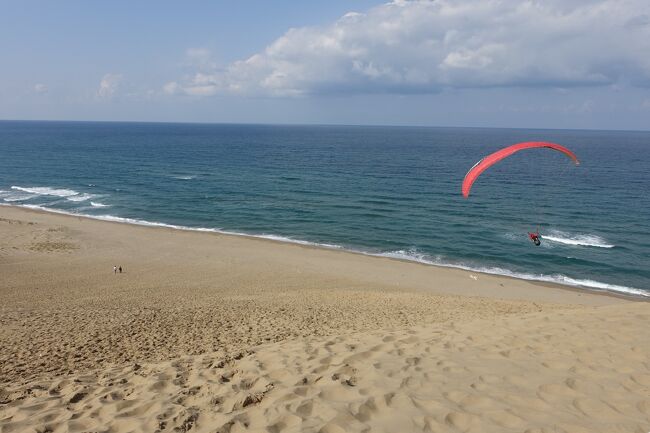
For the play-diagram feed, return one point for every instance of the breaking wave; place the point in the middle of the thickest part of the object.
(415, 256)
(13, 196)
(23, 193)
(45, 190)
(80, 197)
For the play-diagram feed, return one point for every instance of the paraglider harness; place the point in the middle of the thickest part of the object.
(535, 237)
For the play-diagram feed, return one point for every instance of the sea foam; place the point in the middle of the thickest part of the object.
(13, 196)
(45, 190)
(80, 197)
(413, 255)
(35, 191)
(584, 240)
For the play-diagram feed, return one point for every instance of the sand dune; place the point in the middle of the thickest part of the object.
(574, 371)
(212, 333)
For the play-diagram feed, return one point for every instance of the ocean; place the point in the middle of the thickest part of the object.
(386, 191)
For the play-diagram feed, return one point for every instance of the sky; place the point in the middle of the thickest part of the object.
(582, 64)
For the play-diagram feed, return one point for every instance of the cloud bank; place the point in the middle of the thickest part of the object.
(108, 85)
(424, 46)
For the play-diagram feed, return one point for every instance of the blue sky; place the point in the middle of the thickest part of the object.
(505, 63)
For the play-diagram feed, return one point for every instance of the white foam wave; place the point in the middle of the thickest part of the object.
(412, 255)
(567, 281)
(114, 218)
(34, 191)
(209, 230)
(98, 204)
(577, 240)
(184, 177)
(44, 190)
(287, 239)
(11, 196)
(80, 197)
(409, 255)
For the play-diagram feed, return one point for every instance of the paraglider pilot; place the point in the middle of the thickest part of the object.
(535, 237)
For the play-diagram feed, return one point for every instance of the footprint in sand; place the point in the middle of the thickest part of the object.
(644, 406)
(462, 421)
(595, 409)
(504, 418)
(553, 392)
(476, 402)
(305, 409)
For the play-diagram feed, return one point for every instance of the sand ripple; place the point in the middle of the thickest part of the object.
(430, 378)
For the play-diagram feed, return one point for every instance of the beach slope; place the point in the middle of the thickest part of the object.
(215, 333)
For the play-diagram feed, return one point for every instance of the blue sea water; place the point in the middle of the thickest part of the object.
(391, 191)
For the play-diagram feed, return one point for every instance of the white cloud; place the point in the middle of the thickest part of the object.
(207, 90)
(108, 85)
(40, 88)
(424, 46)
(171, 88)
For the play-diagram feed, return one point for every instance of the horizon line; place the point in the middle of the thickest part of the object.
(350, 125)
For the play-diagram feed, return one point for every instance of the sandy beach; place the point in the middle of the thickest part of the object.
(205, 332)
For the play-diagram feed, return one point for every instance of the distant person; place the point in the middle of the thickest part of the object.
(535, 237)
(115, 269)
(120, 269)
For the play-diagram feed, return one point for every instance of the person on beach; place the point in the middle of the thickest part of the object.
(120, 269)
(115, 269)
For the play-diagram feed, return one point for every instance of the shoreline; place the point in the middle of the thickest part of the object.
(231, 333)
(625, 293)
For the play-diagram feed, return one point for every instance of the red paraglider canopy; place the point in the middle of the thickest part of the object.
(497, 156)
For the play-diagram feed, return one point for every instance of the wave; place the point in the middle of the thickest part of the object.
(184, 177)
(12, 196)
(98, 205)
(44, 190)
(19, 198)
(411, 255)
(285, 239)
(80, 197)
(577, 240)
(140, 222)
(35, 191)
